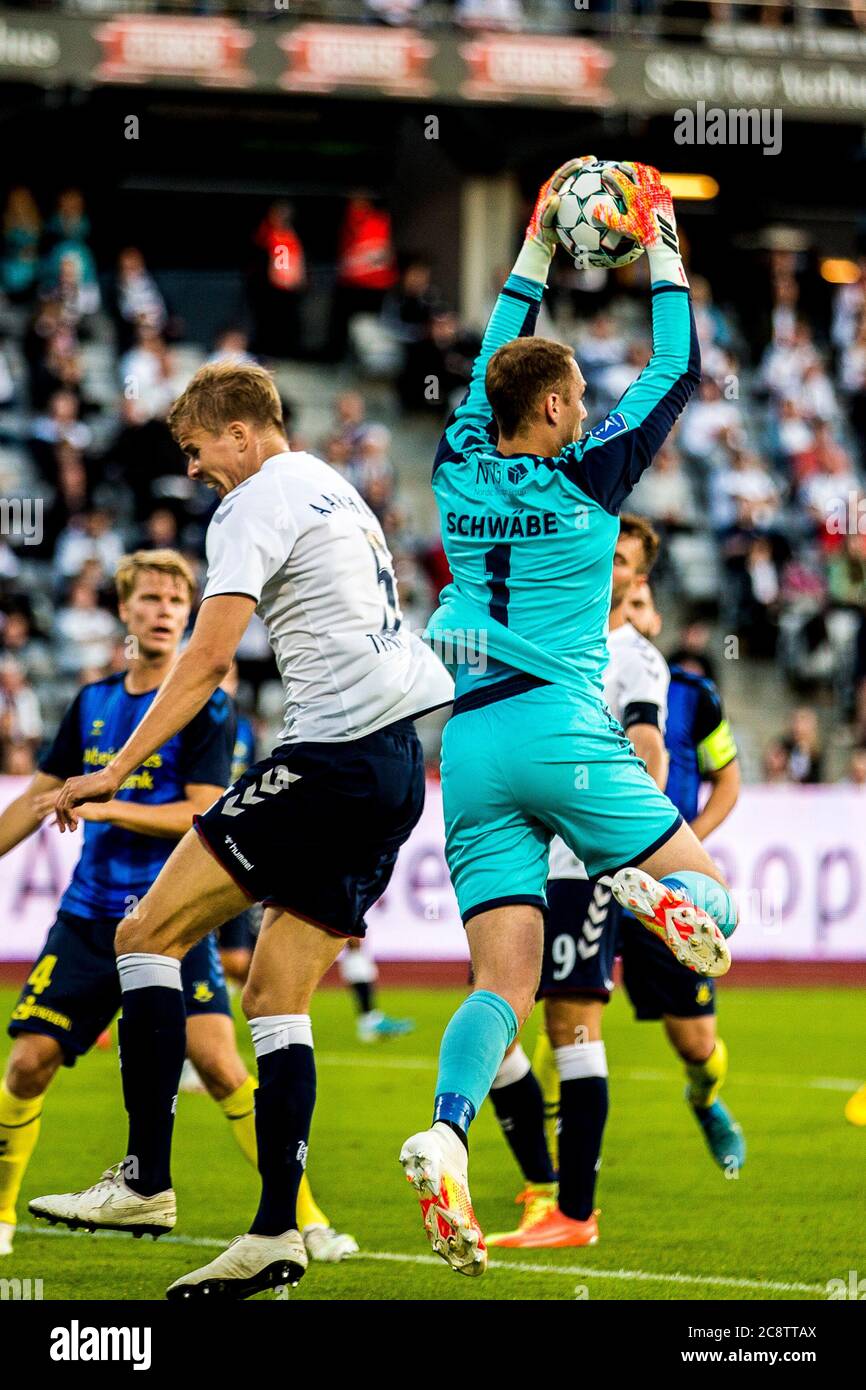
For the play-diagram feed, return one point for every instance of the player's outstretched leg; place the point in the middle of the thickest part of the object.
(706, 1060)
(290, 958)
(506, 955)
(192, 895)
(677, 893)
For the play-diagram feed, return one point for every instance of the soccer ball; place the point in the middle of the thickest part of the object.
(588, 242)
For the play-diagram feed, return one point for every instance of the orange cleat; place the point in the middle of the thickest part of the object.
(537, 1200)
(551, 1232)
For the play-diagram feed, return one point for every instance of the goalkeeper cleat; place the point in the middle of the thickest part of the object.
(553, 1231)
(249, 1265)
(7, 1236)
(327, 1246)
(724, 1136)
(686, 929)
(537, 1199)
(855, 1108)
(379, 1027)
(435, 1163)
(110, 1205)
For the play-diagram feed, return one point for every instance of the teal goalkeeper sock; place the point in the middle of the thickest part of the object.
(705, 892)
(473, 1046)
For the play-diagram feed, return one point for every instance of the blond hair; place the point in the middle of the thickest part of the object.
(224, 391)
(640, 530)
(164, 561)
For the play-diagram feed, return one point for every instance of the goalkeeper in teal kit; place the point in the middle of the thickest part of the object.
(529, 509)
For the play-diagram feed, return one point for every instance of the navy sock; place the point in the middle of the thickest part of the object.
(582, 1115)
(519, 1108)
(285, 1100)
(363, 991)
(152, 1037)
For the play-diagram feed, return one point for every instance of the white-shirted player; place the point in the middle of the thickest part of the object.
(580, 938)
(312, 831)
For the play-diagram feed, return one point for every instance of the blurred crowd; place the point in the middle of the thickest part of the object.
(759, 494)
(670, 16)
(90, 361)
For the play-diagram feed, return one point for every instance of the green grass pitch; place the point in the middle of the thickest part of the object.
(673, 1227)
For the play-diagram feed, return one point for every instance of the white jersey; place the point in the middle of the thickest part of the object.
(635, 690)
(304, 544)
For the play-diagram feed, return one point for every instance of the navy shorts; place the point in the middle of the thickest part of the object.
(73, 991)
(585, 930)
(316, 827)
(239, 934)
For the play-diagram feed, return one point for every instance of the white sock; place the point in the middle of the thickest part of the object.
(280, 1030)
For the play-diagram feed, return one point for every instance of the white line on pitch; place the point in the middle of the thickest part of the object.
(816, 1083)
(512, 1266)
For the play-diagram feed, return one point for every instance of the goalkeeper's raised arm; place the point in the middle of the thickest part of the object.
(514, 316)
(615, 453)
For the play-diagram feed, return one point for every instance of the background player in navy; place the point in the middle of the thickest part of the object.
(701, 751)
(73, 992)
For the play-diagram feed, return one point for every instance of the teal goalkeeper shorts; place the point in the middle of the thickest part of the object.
(544, 762)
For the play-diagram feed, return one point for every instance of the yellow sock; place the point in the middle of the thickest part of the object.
(544, 1066)
(309, 1213)
(239, 1110)
(706, 1078)
(19, 1129)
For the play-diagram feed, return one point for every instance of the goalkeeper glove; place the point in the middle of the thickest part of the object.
(648, 219)
(540, 238)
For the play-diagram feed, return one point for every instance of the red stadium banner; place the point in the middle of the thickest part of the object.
(207, 51)
(506, 67)
(323, 57)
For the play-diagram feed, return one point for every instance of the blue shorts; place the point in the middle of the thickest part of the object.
(73, 991)
(316, 827)
(547, 761)
(585, 929)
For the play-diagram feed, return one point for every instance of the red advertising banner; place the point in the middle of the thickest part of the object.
(506, 67)
(209, 51)
(322, 57)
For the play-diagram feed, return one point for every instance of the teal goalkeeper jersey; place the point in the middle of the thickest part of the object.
(530, 540)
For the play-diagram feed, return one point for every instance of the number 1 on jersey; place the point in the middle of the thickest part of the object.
(497, 567)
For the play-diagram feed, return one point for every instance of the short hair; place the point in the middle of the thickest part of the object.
(640, 529)
(520, 374)
(224, 391)
(164, 561)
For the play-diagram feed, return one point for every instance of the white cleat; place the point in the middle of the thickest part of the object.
(249, 1265)
(327, 1246)
(110, 1205)
(7, 1236)
(687, 930)
(436, 1162)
